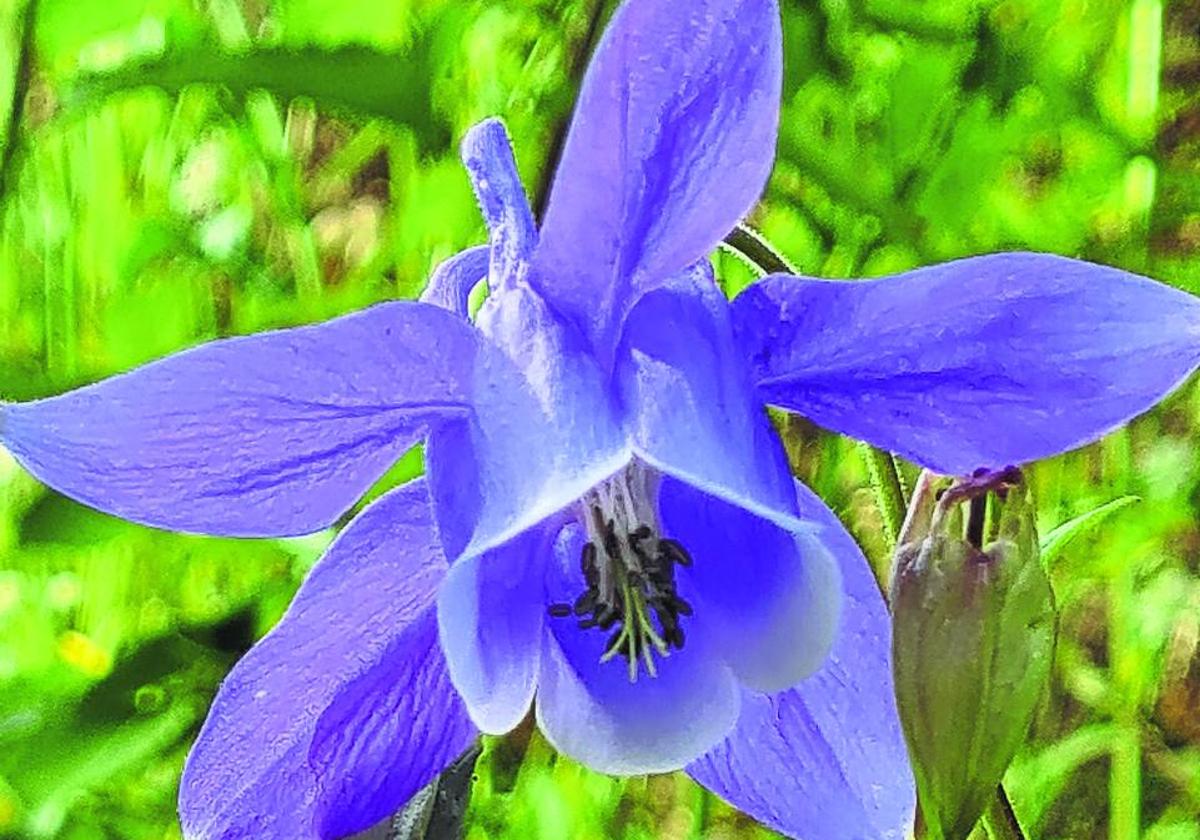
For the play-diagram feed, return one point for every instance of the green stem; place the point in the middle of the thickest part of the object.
(889, 492)
(1125, 768)
(752, 247)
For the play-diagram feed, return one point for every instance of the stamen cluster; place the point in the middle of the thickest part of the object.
(631, 592)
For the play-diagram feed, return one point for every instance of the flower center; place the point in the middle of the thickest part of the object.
(629, 568)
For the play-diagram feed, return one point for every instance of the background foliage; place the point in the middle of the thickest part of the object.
(177, 170)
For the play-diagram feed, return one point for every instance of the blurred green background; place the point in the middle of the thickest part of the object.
(175, 170)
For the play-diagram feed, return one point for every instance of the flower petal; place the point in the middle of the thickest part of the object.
(590, 710)
(300, 740)
(771, 596)
(263, 435)
(671, 144)
(544, 430)
(982, 362)
(690, 406)
(387, 734)
(826, 758)
(452, 281)
(490, 615)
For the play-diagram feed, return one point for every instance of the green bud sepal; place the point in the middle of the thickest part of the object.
(973, 639)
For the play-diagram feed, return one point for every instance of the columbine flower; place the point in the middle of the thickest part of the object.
(608, 532)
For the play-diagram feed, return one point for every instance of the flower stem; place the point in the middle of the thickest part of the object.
(751, 246)
(889, 492)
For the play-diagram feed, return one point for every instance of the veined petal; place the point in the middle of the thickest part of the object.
(690, 405)
(490, 614)
(544, 429)
(826, 758)
(272, 434)
(301, 741)
(452, 281)
(386, 735)
(982, 362)
(590, 710)
(772, 597)
(671, 144)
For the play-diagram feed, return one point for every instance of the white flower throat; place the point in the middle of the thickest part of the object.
(629, 568)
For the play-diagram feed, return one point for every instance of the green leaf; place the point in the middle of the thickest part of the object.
(360, 80)
(1055, 541)
(1037, 779)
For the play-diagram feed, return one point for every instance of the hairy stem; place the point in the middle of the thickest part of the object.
(752, 247)
(889, 492)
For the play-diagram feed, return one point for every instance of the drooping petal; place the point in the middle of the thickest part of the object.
(263, 435)
(387, 734)
(488, 157)
(772, 597)
(490, 616)
(690, 405)
(544, 429)
(671, 144)
(590, 710)
(982, 362)
(452, 281)
(826, 758)
(302, 740)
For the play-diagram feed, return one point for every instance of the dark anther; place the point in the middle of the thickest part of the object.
(640, 551)
(607, 617)
(586, 603)
(641, 566)
(662, 577)
(587, 563)
(559, 610)
(611, 546)
(675, 552)
(642, 532)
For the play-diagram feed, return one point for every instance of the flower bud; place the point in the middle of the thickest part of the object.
(973, 639)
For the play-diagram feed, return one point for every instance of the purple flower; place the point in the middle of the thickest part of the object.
(608, 532)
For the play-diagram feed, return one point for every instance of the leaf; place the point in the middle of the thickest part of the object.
(357, 79)
(1054, 542)
(68, 763)
(59, 745)
(1036, 780)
